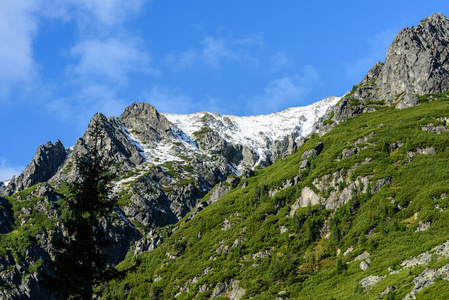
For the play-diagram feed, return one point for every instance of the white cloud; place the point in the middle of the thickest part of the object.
(17, 29)
(7, 171)
(104, 49)
(169, 99)
(109, 12)
(282, 93)
(93, 13)
(112, 58)
(279, 94)
(280, 62)
(215, 51)
(376, 51)
(79, 107)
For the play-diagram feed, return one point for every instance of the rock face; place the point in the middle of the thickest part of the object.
(6, 216)
(417, 62)
(147, 122)
(43, 166)
(17, 280)
(115, 146)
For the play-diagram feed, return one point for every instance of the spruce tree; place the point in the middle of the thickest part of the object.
(80, 260)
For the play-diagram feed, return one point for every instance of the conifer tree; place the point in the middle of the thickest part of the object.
(79, 260)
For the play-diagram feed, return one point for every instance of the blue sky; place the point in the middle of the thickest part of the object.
(63, 61)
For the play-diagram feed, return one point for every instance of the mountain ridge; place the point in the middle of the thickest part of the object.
(322, 222)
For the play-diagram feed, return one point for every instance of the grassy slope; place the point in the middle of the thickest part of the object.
(300, 262)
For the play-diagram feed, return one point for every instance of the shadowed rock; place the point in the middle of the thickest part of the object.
(43, 166)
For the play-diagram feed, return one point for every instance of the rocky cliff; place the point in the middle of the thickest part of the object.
(164, 165)
(290, 221)
(43, 166)
(416, 63)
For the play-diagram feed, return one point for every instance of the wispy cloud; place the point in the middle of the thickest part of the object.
(104, 52)
(17, 29)
(88, 99)
(281, 93)
(111, 59)
(376, 51)
(7, 171)
(94, 14)
(280, 62)
(171, 99)
(213, 51)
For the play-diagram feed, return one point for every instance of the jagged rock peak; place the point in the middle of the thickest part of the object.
(143, 111)
(43, 166)
(417, 62)
(144, 118)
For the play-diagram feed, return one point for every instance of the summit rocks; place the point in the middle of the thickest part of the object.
(417, 62)
(42, 167)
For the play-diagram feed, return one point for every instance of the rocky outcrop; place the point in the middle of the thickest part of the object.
(313, 152)
(115, 146)
(284, 147)
(219, 191)
(417, 62)
(150, 242)
(370, 281)
(427, 278)
(158, 200)
(408, 100)
(43, 166)
(6, 216)
(147, 123)
(211, 142)
(333, 190)
(229, 289)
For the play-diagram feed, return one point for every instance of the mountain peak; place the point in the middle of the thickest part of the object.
(42, 167)
(417, 62)
(140, 109)
(435, 17)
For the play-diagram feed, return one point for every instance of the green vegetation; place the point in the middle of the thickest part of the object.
(252, 236)
(185, 181)
(354, 102)
(68, 167)
(30, 220)
(269, 252)
(124, 198)
(329, 120)
(200, 133)
(379, 102)
(79, 256)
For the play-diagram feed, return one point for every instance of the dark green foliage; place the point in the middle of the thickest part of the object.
(354, 101)
(269, 249)
(340, 266)
(379, 102)
(329, 120)
(80, 260)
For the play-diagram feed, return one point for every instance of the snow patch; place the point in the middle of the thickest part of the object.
(134, 141)
(124, 218)
(118, 186)
(69, 149)
(258, 133)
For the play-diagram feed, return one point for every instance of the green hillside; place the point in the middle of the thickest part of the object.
(251, 244)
